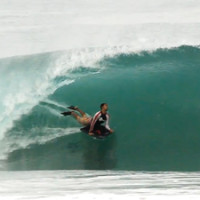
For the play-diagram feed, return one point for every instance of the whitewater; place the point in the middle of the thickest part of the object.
(35, 27)
(141, 57)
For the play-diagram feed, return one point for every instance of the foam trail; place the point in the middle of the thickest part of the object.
(47, 134)
(59, 105)
(54, 107)
(52, 110)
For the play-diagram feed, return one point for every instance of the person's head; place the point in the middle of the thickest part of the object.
(104, 107)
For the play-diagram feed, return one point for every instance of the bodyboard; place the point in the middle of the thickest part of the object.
(100, 133)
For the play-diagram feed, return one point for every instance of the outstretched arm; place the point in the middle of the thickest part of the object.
(107, 123)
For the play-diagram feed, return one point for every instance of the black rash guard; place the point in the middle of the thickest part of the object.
(99, 120)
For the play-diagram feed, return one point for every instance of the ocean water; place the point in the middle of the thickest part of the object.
(98, 184)
(142, 58)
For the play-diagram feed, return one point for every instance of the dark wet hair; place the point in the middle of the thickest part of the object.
(102, 105)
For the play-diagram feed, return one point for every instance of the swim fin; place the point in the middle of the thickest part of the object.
(66, 113)
(72, 107)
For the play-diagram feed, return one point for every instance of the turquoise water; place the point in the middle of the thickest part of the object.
(153, 99)
(141, 57)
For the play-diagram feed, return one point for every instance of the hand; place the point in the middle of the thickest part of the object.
(91, 133)
(111, 131)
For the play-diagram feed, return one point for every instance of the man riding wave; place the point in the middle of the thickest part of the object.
(97, 124)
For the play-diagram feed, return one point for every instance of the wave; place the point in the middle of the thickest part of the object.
(25, 80)
(153, 98)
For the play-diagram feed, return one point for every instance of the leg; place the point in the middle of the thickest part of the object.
(75, 115)
(82, 120)
(77, 109)
(80, 111)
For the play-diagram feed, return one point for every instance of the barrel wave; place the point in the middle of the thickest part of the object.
(153, 98)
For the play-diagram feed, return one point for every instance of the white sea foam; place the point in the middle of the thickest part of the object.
(99, 185)
(41, 26)
(46, 134)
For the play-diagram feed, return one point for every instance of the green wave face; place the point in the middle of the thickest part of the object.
(154, 103)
